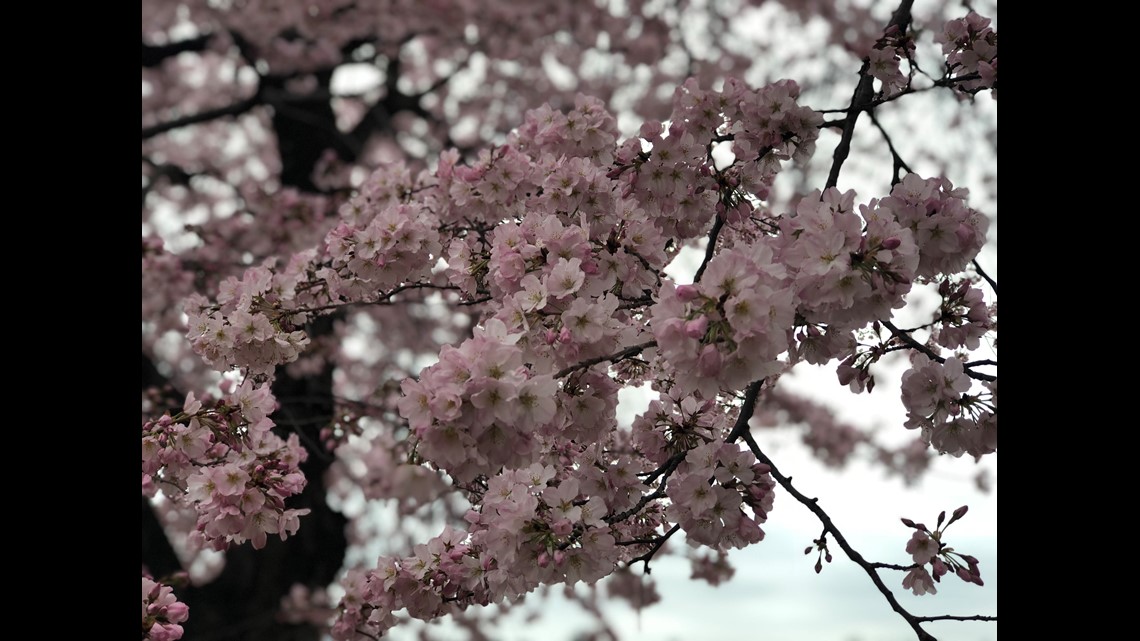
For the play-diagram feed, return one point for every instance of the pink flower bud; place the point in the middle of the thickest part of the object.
(177, 612)
(892, 243)
(543, 559)
(564, 335)
(687, 292)
(940, 568)
(846, 373)
(696, 328)
(559, 557)
(550, 337)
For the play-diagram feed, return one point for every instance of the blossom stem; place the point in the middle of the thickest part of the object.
(813, 505)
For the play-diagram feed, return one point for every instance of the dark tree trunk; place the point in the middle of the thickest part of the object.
(243, 602)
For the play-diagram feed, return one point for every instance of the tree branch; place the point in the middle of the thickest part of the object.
(235, 109)
(951, 617)
(613, 358)
(645, 558)
(710, 248)
(983, 274)
(829, 526)
(863, 97)
(746, 410)
(896, 159)
(154, 55)
(910, 342)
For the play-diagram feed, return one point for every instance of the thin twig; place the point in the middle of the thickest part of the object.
(829, 526)
(896, 159)
(983, 274)
(645, 558)
(951, 617)
(613, 358)
(910, 342)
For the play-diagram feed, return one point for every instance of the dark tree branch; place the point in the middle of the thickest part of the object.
(664, 471)
(235, 109)
(740, 429)
(896, 159)
(863, 97)
(648, 556)
(829, 526)
(992, 282)
(913, 344)
(746, 409)
(154, 55)
(951, 617)
(613, 358)
(894, 566)
(710, 248)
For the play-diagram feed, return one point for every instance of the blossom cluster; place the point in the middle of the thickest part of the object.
(479, 408)
(926, 547)
(953, 421)
(532, 527)
(970, 46)
(222, 459)
(559, 239)
(376, 247)
(847, 269)
(162, 612)
(729, 328)
(164, 274)
(548, 525)
(244, 329)
(963, 317)
(712, 514)
(884, 60)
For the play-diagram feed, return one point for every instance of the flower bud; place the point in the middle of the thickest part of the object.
(687, 292)
(696, 328)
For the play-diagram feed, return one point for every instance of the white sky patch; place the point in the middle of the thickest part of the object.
(723, 155)
(354, 79)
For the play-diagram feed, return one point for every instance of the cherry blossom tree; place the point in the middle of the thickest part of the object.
(400, 259)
